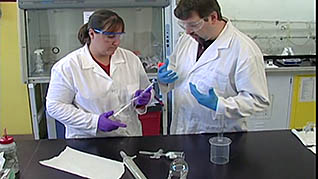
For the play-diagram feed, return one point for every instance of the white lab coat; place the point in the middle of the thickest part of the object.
(80, 90)
(233, 65)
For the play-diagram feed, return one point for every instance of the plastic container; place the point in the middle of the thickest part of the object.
(8, 146)
(39, 65)
(220, 150)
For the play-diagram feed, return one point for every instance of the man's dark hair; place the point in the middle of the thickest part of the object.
(204, 8)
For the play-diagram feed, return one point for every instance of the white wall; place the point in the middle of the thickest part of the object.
(289, 10)
(296, 27)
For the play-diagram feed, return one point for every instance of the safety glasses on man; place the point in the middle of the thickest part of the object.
(191, 26)
(111, 35)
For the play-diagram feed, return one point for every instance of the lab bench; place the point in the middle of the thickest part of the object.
(262, 155)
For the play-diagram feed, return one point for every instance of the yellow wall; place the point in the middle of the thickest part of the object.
(302, 112)
(14, 103)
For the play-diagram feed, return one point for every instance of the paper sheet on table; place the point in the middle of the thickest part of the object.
(313, 149)
(307, 138)
(85, 165)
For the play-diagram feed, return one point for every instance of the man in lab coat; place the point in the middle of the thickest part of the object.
(215, 72)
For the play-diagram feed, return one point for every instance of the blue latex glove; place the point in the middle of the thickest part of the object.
(166, 76)
(209, 101)
(105, 124)
(144, 98)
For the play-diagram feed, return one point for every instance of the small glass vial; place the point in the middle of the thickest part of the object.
(178, 169)
(8, 146)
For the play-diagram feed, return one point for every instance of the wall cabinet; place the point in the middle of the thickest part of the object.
(285, 110)
(276, 116)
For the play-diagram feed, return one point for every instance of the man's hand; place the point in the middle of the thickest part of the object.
(166, 76)
(210, 100)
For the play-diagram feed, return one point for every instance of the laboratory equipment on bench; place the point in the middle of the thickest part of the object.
(288, 51)
(178, 169)
(155, 155)
(220, 118)
(8, 146)
(7, 174)
(159, 153)
(131, 165)
(220, 145)
(220, 150)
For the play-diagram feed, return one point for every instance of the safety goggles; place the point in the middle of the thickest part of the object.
(191, 26)
(110, 35)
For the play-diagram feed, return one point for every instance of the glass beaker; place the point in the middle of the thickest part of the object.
(178, 169)
(220, 150)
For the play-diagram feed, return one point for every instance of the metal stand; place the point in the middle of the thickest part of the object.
(37, 105)
(34, 112)
(165, 115)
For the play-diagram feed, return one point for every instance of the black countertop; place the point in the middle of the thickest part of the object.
(257, 155)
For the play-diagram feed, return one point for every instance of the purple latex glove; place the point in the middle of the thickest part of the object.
(105, 124)
(144, 98)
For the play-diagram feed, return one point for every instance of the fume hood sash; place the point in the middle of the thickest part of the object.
(59, 4)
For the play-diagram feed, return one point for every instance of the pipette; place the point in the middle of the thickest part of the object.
(221, 120)
(132, 100)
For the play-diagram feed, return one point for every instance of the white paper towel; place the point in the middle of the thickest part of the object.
(307, 138)
(85, 165)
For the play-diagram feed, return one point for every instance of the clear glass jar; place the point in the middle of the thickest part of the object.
(178, 169)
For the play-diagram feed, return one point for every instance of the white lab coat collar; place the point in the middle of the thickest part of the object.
(88, 62)
(116, 59)
(223, 41)
(225, 37)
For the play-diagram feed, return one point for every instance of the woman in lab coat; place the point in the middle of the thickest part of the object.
(92, 82)
(215, 70)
